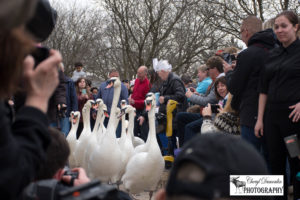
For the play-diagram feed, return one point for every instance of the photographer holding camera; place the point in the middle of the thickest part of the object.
(55, 181)
(53, 176)
(24, 140)
(226, 120)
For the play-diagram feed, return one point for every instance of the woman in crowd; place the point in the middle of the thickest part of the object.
(227, 120)
(25, 140)
(204, 79)
(83, 95)
(280, 95)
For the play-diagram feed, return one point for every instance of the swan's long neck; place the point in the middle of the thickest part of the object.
(152, 130)
(131, 123)
(86, 119)
(113, 119)
(98, 120)
(123, 133)
(72, 133)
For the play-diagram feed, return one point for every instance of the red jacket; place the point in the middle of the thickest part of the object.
(141, 88)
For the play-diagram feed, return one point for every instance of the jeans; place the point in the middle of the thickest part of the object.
(65, 125)
(247, 133)
(189, 124)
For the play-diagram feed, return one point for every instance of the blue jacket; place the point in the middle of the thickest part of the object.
(106, 94)
(72, 104)
(203, 85)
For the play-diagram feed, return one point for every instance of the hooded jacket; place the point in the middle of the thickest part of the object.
(243, 81)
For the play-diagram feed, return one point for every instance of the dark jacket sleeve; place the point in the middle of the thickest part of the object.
(23, 145)
(237, 80)
(178, 92)
(60, 92)
(73, 97)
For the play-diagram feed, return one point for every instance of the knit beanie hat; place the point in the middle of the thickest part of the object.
(228, 122)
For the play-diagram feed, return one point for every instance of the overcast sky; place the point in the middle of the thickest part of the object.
(83, 3)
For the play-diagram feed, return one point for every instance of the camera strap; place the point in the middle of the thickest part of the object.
(44, 189)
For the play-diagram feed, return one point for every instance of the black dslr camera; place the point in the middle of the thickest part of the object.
(40, 54)
(62, 111)
(229, 58)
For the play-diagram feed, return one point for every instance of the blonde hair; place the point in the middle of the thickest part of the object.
(202, 68)
(231, 50)
(268, 24)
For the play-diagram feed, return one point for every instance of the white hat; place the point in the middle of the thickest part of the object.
(161, 65)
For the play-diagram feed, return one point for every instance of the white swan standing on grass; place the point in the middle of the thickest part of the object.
(86, 132)
(71, 138)
(106, 160)
(144, 169)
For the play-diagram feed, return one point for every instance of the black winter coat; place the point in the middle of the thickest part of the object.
(243, 81)
(174, 89)
(22, 146)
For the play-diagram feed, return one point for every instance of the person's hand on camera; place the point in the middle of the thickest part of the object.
(221, 109)
(41, 82)
(226, 67)
(207, 111)
(188, 93)
(82, 177)
(59, 106)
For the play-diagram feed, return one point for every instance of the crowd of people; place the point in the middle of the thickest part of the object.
(241, 101)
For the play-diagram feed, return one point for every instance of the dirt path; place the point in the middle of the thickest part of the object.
(145, 195)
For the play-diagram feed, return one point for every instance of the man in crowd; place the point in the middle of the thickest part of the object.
(107, 95)
(78, 71)
(189, 124)
(72, 104)
(242, 82)
(136, 99)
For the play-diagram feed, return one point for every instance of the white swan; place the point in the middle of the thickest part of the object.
(86, 132)
(71, 138)
(125, 141)
(107, 157)
(95, 137)
(144, 169)
(136, 141)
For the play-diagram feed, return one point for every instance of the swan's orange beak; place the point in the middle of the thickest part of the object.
(148, 106)
(110, 84)
(75, 118)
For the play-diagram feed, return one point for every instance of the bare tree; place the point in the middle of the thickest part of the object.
(125, 34)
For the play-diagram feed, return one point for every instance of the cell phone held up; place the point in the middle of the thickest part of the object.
(293, 145)
(83, 91)
(214, 108)
(40, 54)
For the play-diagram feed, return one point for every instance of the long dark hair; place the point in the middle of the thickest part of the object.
(15, 45)
(86, 86)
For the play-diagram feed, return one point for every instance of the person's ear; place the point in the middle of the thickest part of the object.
(59, 174)
(160, 194)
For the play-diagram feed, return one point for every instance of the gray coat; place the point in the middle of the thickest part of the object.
(203, 100)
